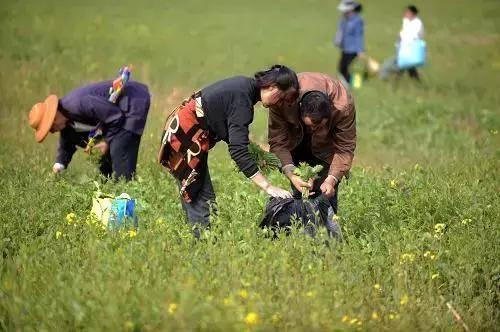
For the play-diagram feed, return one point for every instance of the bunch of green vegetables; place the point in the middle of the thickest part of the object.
(94, 155)
(266, 161)
(306, 173)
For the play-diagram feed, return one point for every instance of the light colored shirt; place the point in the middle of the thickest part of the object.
(412, 30)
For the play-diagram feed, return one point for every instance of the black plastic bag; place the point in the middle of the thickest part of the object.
(310, 214)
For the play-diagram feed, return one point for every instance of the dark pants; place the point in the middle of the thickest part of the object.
(198, 211)
(300, 155)
(390, 66)
(121, 161)
(303, 154)
(345, 61)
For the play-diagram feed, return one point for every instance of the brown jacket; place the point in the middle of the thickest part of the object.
(334, 143)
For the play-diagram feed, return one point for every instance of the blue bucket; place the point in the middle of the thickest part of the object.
(122, 213)
(412, 55)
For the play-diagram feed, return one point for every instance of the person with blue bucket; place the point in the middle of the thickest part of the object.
(411, 47)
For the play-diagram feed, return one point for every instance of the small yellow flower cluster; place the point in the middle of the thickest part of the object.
(430, 255)
(435, 276)
(172, 307)
(243, 293)
(58, 234)
(377, 287)
(352, 321)
(406, 258)
(439, 230)
(404, 300)
(132, 233)
(252, 319)
(160, 222)
(70, 218)
(394, 184)
(375, 315)
(466, 221)
(393, 316)
(310, 294)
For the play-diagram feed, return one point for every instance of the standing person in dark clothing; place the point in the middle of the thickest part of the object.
(86, 110)
(349, 37)
(221, 111)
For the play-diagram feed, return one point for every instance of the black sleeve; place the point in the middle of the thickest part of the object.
(240, 117)
(66, 148)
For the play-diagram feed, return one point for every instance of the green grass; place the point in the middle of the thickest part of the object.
(426, 156)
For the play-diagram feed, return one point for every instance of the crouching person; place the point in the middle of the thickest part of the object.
(319, 130)
(86, 113)
(221, 111)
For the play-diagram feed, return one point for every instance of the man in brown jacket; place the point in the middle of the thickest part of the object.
(320, 129)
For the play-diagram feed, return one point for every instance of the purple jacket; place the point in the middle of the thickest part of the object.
(88, 106)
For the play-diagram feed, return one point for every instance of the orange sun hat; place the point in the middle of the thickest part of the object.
(42, 117)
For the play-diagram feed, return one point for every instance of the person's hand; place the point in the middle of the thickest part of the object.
(277, 192)
(58, 168)
(103, 147)
(328, 187)
(300, 184)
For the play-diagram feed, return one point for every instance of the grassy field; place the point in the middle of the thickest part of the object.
(420, 214)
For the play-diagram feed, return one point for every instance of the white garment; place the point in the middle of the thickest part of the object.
(412, 30)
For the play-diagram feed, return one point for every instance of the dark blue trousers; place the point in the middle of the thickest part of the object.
(121, 161)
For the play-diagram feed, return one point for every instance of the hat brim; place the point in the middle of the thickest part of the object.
(49, 115)
(345, 8)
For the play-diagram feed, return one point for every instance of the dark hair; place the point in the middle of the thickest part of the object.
(282, 76)
(359, 8)
(413, 9)
(315, 105)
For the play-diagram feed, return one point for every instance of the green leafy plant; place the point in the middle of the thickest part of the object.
(306, 172)
(93, 154)
(266, 161)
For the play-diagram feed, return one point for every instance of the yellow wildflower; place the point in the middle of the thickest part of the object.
(227, 301)
(353, 321)
(392, 316)
(70, 217)
(132, 233)
(404, 300)
(430, 255)
(407, 258)
(377, 286)
(243, 294)
(58, 234)
(466, 221)
(345, 319)
(252, 318)
(172, 307)
(439, 230)
(310, 294)
(394, 184)
(434, 276)
(375, 315)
